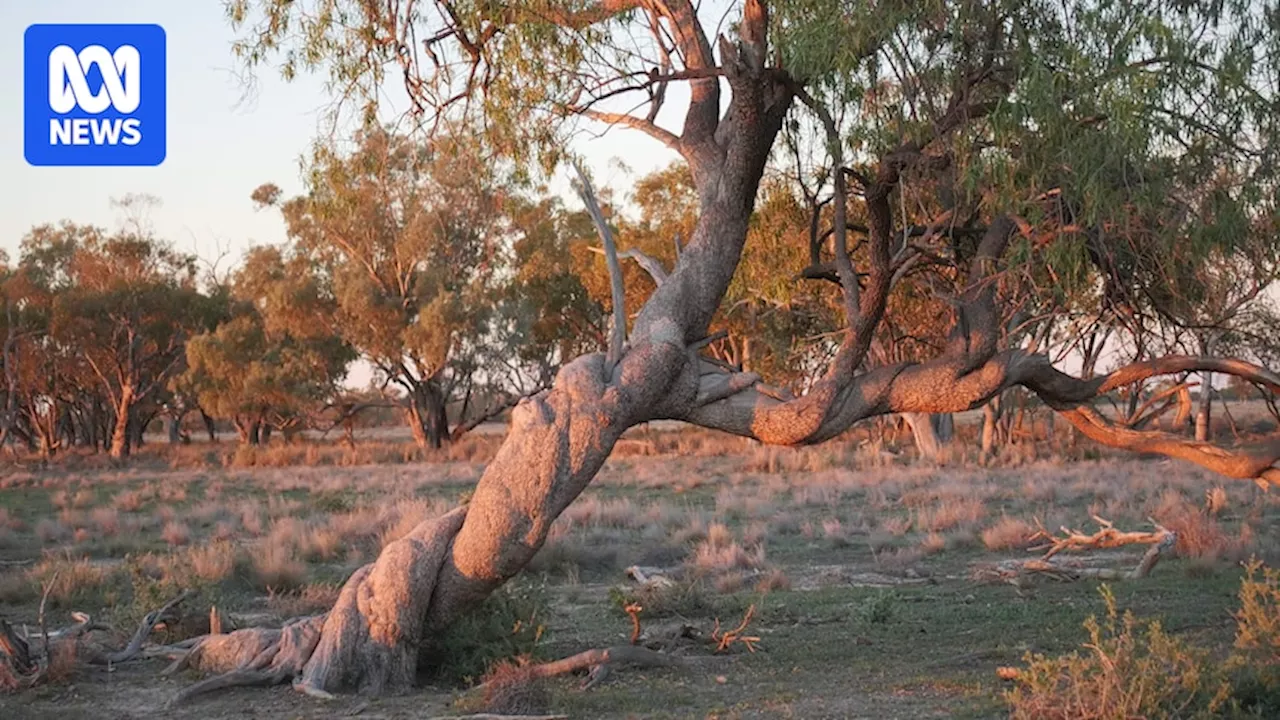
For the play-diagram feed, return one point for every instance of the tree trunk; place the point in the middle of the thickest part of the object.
(138, 429)
(97, 423)
(990, 419)
(931, 433)
(558, 439)
(247, 429)
(120, 435)
(427, 415)
(264, 433)
(173, 424)
(209, 426)
(1204, 419)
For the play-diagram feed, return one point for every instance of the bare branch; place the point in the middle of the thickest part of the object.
(618, 336)
(650, 264)
(665, 137)
(844, 265)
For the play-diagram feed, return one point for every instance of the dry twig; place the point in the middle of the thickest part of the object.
(726, 639)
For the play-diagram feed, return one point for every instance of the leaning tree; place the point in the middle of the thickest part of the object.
(1051, 119)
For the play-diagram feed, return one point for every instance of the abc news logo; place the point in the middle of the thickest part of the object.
(94, 95)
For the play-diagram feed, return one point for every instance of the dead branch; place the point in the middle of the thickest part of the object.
(649, 263)
(16, 650)
(618, 336)
(599, 662)
(726, 640)
(1105, 538)
(44, 598)
(1019, 572)
(149, 622)
(633, 611)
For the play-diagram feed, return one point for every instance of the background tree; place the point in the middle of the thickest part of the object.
(128, 310)
(546, 314)
(278, 359)
(404, 236)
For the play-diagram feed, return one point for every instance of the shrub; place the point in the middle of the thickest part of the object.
(214, 562)
(510, 688)
(506, 626)
(1133, 668)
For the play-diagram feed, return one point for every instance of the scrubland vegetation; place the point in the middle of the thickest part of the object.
(860, 563)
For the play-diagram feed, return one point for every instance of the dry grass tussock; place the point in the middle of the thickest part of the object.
(1008, 533)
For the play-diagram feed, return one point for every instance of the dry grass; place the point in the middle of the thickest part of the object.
(775, 579)
(214, 562)
(71, 581)
(693, 503)
(951, 514)
(128, 501)
(720, 553)
(106, 519)
(176, 533)
(51, 531)
(277, 568)
(1008, 533)
(306, 600)
(511, 688)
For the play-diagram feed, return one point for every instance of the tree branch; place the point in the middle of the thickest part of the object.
(618, 336)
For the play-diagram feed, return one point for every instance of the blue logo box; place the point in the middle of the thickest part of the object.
(94, 95)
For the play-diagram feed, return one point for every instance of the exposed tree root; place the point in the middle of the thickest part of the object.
(149, 622)
(369, 641)
(600, 661)
(235, 678)
(28, 668)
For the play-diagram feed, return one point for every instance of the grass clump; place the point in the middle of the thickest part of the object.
(511, 688)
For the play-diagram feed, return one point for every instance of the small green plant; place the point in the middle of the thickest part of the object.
(507, 626)
(688, 599)
(332, 502)
(879, 608)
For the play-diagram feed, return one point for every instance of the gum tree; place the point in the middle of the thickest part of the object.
(1054, 119)
(402, 237)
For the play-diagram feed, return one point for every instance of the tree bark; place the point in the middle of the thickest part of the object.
(931, 432)
(120, 436)
(1204, 413)
(427, 414)
(990, 427)
(209, 426)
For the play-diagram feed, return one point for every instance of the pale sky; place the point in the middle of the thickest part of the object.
(219, 147)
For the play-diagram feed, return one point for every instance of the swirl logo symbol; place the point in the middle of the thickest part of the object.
(69, 86)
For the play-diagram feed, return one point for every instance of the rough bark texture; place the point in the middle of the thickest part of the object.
(120, 432)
